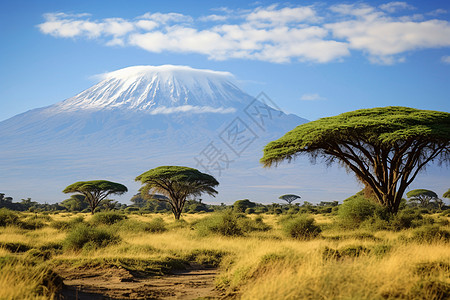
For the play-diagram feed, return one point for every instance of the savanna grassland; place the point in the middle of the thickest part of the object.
(257, 256)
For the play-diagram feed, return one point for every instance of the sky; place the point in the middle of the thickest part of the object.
(313, 59)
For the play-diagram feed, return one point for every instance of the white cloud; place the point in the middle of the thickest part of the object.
(166, 18)
(311, 97)
(272, 16)
(273, 33)
(392, 7)
(446, 59)
(214, 18)
(191, 109)
(437, 12)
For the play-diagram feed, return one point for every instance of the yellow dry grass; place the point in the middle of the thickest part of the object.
(269, 265)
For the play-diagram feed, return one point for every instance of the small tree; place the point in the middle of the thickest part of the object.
(289, 198)
(96, 190)
(447, 194)
(242, 205)
(76, 202)
(384, 147)
(422, 196)
(177, 183)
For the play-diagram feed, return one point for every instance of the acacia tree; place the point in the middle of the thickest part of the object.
(385, 147)
(289, 198)
(422, 196)
(177, 183)
(96, 190)
(447, 194)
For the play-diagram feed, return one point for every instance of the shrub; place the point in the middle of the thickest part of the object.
(31, 224)
(356, 210)
(8, 218)
(301, 227)
(293, 210)
(107, 218)
(430, 289)
(429, 234)
(249, 225)
(83, 236)
(346, 252)
(241, 205)
(210, 258)
(249, 211)
(156, 225)
(66, 225)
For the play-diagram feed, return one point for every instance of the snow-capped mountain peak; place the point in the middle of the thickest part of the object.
(160, 89)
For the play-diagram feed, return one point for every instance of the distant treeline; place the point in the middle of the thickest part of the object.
(158, 204)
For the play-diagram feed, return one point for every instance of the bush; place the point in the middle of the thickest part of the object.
(356, 210)
(204, 257)
(229, 223)
(346, 252)
(8, 218)
(429, 234)
(301, 227)
(250, 211)
(66, 225)
(107, 218)
(156, 225)
(84, 237)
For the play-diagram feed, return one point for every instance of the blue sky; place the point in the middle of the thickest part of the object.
(314, 59)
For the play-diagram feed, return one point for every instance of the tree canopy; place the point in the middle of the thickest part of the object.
(385, 147)
(446, 194)
(422, 196)
(289, 198)
(96, 190)
(177, 183)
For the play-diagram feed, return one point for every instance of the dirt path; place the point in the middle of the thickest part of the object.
(118, 283)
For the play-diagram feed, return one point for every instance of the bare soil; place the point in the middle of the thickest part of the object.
(118, 283)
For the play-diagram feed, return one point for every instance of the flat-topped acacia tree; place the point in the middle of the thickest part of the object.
(422, 196)
(96, 190)
(385, 147)
(289, 198)
(447, 194)
(177, 183)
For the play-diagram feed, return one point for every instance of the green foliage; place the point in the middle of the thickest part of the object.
(75, 203)
(177, 183)
(345, 252)
(241, 205)
(393, 141)
(15, 247)
(107, 218)
(446, 194)
(422, 196)
(96, 190)
(289, 198)
(430, 234)
(205, 257)
(250, 211)
(430, 289)
(382, 126)
(8, 218)
(356, 210)
(85, 237)
(301, 227)
(229, 223)
(156, 225)
(67, 225)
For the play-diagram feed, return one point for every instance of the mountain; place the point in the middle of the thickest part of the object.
(141, 117)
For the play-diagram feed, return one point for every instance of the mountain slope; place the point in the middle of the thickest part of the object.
(135, 119)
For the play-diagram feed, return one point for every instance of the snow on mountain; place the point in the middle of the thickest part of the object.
(160, 90)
